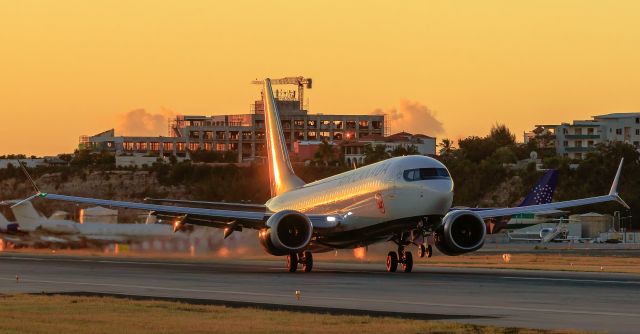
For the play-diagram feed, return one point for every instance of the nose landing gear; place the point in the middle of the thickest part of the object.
(425, 251)
(305, 258)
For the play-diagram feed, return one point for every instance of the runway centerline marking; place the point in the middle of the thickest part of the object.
(570, 280)
(361, 300)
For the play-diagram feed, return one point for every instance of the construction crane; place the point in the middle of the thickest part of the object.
(301, 82)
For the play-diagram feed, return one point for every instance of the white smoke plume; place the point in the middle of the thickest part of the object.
(412, 117)
(139, 122)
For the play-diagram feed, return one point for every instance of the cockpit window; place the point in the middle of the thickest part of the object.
(426, 174)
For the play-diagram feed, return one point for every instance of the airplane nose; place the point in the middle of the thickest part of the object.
(440, 186)
(440, 195)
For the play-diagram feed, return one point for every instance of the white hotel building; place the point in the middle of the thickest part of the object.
(575, 139)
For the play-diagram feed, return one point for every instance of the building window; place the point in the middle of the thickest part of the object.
(351, 124)
(194, 134)
(298, 123)
(260, 135)
(636, 144)
(364, 124)
(637, 120)
(311, 123)
(590, 131)
(338, 124)
(590, 143)
(578, 131)
(565, 143)
(578, 143)
(565, 131)
(637, 132)
(311, 135)
(618, 131)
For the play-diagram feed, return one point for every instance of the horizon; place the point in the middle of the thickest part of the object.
(78, 68)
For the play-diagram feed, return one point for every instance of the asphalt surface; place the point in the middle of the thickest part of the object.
(511, 298)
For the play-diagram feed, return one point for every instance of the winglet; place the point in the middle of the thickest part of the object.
(614, 187)
(33, 184)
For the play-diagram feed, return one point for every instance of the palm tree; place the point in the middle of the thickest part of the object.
(325, 152)
(375, 153)
(446, 146)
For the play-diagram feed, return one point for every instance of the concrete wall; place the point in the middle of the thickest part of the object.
(31, 163)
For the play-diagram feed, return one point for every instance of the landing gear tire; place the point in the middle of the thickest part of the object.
(422, 251)
(407, 262)
(429, 251)
(307, 261)
(392, 262)
(292, 262)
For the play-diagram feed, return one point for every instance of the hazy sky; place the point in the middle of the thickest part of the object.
(78, 67)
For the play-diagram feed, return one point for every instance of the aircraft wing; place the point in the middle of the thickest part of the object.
(171, 210)
(198, 216)
(611, 197)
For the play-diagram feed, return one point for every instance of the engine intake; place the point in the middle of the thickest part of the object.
(462, 231)
(287, 231)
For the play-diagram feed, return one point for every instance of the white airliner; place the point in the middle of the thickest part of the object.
(401, 200)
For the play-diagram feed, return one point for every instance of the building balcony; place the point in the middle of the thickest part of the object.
(579, 149)
(582, 136)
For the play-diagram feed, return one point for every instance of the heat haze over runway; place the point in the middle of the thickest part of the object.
(534, 299)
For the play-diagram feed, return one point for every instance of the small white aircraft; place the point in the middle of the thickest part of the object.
(33, 229)
(559, 232)
(401, 200)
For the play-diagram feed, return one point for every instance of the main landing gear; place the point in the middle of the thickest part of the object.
(305, 258)
(405, 259)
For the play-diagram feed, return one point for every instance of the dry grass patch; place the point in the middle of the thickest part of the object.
(70, 314)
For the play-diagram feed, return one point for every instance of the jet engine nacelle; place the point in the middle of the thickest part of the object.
(287, 231)
(462, 231)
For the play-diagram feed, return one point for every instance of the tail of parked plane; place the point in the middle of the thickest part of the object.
(542, 193)
(281, 173)
(4, 223)
(27, 216)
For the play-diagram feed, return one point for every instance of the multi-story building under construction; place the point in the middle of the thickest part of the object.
(241, 133)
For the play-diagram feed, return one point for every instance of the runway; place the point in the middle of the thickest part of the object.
(511, 298)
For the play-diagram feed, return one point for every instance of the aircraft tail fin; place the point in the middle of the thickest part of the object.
(4, 222)
(281, 173)
(26, 215)
(542, 192)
